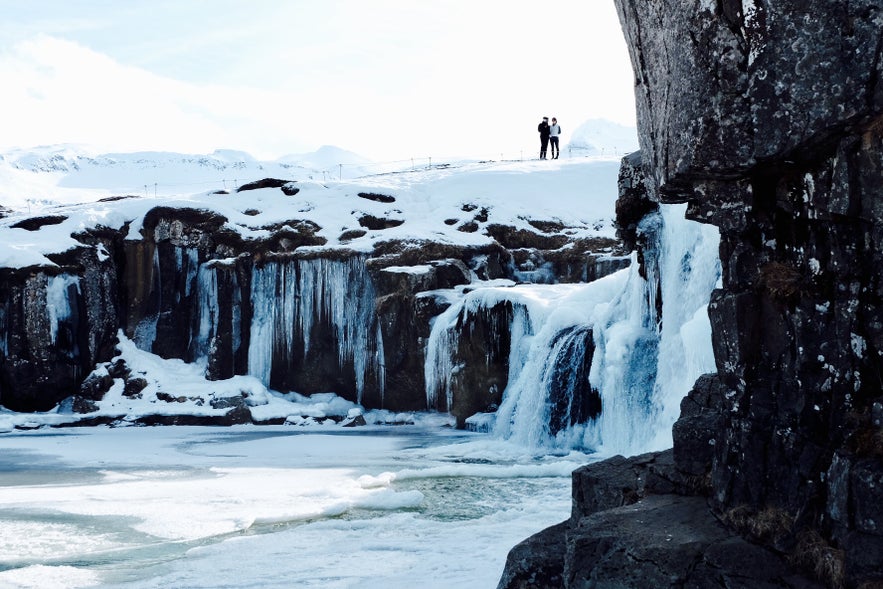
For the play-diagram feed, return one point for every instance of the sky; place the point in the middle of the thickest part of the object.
(388, 79)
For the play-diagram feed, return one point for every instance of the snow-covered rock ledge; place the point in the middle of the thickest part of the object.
(280, 288)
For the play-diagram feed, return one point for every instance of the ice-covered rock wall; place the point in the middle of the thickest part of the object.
(305, 308)
(599, 366)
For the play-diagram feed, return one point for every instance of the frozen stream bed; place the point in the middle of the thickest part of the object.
(270, 506)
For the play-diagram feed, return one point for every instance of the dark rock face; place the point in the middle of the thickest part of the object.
(668, 541)
(637, 523)
(480, 361)
(46, 356)
(307, 320)
(404, 319)
(722, 87)
(268, 183)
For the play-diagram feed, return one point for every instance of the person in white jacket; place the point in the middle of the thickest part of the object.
(554, 133)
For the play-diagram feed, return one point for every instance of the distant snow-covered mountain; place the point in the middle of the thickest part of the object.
(63, 174)
(603, 137)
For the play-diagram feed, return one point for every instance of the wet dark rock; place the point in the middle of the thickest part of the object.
(378, 223)
(290, 189)
(468, 227)
(405, 323)
(483, 346)
(357, 421)
(669, 541)
(134, 386)
(695, 432)
(82, 405)
(635, 525)
(352, 234)
(264, 183)
(511, 238)
(35, 223)
(635, 201)
(384, 198)
(96, 385)
(538, 562)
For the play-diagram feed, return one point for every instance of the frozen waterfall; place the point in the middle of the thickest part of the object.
(654, 340)
(602, 365)
(293, 298)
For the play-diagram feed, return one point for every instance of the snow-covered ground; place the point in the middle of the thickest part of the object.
(431, 202)
(411, 506)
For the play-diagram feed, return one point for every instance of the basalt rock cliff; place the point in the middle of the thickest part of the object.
(286, 307)
(767, 118)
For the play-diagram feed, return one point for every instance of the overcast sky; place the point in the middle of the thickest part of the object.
(389, 79)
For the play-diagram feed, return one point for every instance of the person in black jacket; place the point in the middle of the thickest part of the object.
(543, 128)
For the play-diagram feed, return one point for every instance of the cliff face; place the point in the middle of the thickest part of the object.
(766, 119)
(280, 307)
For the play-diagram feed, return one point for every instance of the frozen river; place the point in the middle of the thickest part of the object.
(394, 507)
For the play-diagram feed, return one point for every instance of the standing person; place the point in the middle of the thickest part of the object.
(554, 133)
(543, 128)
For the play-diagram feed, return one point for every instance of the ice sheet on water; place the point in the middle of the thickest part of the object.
(444, 528)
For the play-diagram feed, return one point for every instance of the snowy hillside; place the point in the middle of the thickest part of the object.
(423, 204)
(32, 179)
(64, 174)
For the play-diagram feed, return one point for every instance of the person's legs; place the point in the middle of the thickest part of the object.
(544, 143)
(555, 149)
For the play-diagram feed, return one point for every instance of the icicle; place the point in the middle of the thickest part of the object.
(208, 311)
(263, 303)
(58, 301)
(190, 267)
(4, 332)
(522, 414)
(145, 331)
(290, 297)
(439, 364)
(380, 362)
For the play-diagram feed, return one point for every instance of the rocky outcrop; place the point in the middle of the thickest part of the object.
(298, 316)
(765, 118)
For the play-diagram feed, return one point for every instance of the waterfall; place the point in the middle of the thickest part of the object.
(548, 397)
(646, 362)
(603, 365)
